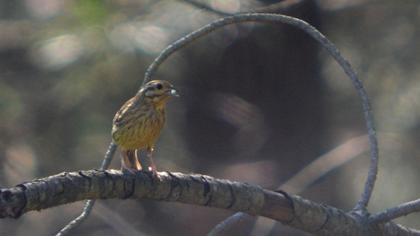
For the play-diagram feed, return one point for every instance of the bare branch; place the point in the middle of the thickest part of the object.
(108, 156)
(89, 203)
(360, 207)
(115, 220)
(206, 7)
(194, 189)
(395, 212)
(324, 164)
(395, 229)
(277, 7)
(227, 223)
(308, 175)
(78, 220)
(271, 8)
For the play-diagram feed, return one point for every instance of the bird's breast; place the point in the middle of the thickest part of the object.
(140, 131)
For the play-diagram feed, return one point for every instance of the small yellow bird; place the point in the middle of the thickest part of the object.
(138, 123)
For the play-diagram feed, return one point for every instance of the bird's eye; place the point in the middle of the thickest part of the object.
(159, 86)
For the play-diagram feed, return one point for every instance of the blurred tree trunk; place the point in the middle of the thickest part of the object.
(272, 72)
(258, 99)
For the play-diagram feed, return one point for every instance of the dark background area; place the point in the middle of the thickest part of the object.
(258, 102)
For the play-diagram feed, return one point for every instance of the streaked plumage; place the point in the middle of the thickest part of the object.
(138, 123)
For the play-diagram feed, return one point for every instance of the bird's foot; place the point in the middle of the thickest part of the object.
(153, 171)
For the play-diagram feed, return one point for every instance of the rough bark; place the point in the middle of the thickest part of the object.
(194, 189)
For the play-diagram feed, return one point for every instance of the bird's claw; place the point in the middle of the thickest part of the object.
(153, 171)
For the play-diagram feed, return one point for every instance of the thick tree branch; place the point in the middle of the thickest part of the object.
(191, 189)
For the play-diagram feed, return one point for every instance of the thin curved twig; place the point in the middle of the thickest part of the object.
(397, 229)
(277, 7)
(115, 220)
(308, 175)
(271, 8)
(395, 212)
(206, 7)
(228, 222)
(361, 205)
(324, 164)
(87, 209)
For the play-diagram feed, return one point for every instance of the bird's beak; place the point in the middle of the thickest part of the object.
(173, 93)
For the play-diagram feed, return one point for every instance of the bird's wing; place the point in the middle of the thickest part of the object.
(119, 116)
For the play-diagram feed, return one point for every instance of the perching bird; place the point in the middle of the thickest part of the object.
(138, 123)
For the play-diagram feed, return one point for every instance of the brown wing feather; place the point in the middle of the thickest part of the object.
(119, 116)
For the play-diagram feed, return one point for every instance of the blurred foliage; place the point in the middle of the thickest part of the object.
(259, 102)
(90, 12)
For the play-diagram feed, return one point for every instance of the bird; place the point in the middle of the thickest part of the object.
(138, 123)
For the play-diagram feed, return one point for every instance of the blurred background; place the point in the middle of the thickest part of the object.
(259, 103)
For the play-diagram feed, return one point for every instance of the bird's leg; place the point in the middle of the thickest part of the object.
(137, 159)
(152, 166)
(129, 162)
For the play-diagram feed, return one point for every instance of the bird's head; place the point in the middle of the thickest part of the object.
(158, 92)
